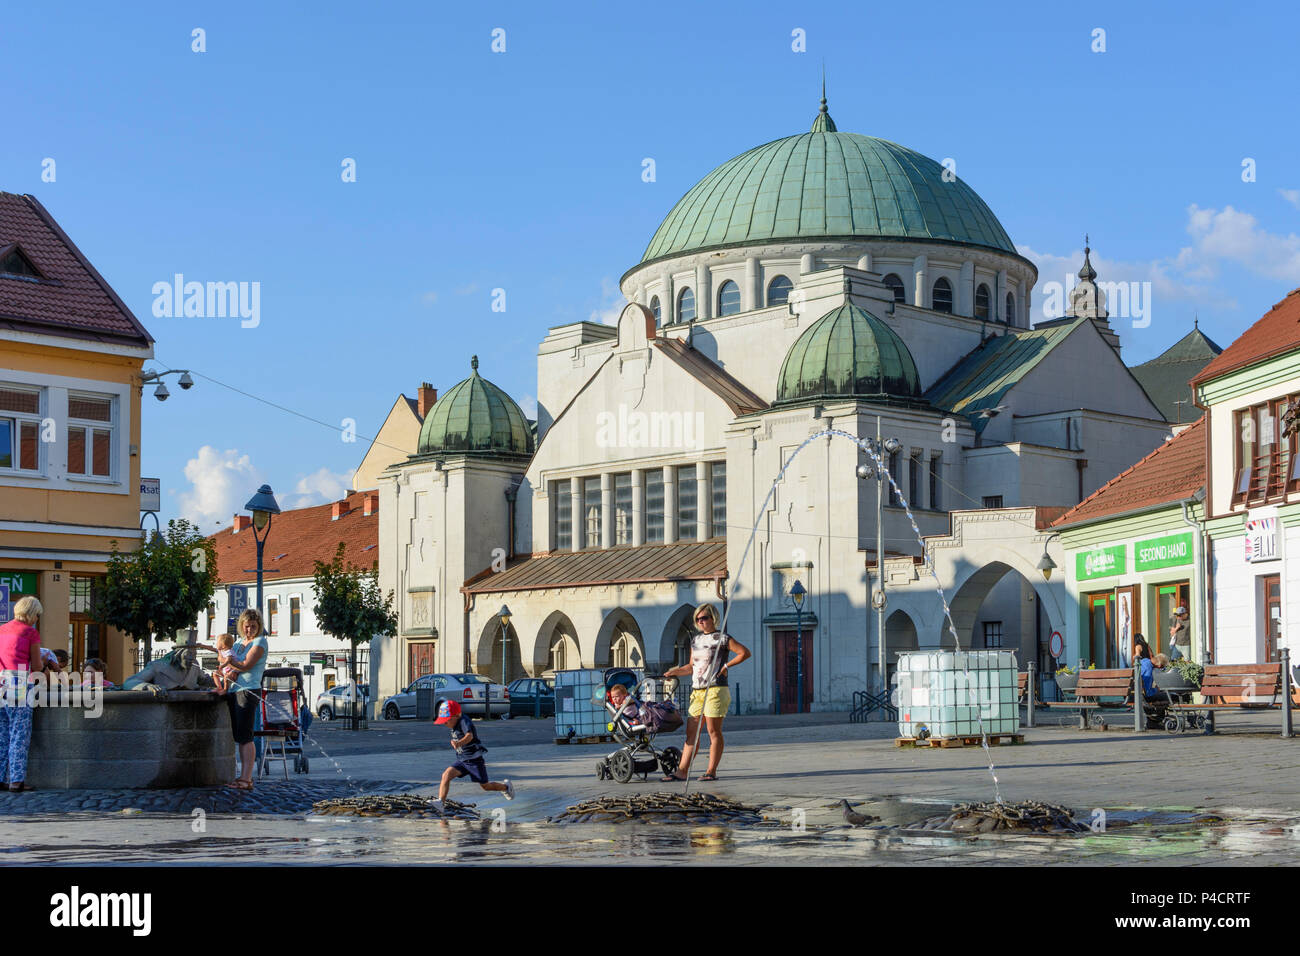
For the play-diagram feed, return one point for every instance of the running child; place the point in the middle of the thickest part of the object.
(469, 752)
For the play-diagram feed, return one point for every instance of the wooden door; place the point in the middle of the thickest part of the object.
(786, 657)
(1270, 586)
(84, 643)
(419, 660)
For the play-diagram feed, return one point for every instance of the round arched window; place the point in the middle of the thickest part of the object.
(654, 307)
(895, 285)
(778, 291)
(942, 298)
(1011, 309)
(728, 298)
(983, 304)
(686, 306)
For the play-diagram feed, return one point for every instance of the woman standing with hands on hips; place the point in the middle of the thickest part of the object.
(710, 695)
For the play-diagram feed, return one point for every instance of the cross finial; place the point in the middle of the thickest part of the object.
(473, 362)
(1086, 243)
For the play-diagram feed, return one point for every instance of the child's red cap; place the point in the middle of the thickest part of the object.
(448, 711)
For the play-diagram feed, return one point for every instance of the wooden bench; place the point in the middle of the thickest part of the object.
(1097, 691)
(1241, 687)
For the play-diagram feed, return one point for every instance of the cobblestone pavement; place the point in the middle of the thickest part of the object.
(277, 796)
(797, 769)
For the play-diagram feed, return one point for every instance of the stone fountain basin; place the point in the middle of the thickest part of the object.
(139, 741)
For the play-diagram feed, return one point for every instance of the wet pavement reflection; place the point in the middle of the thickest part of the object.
(1130, 836)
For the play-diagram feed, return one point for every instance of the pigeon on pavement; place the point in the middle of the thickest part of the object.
(854, 819)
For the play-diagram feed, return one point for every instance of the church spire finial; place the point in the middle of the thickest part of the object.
(1087, 272)
(823, 123)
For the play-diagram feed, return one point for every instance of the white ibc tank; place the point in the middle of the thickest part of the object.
(957, 693)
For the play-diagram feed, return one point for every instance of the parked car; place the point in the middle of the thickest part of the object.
(532, 697)
(468, 690)
(337, 701)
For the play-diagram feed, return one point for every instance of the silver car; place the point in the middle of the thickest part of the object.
(339, 700)
(468, 690)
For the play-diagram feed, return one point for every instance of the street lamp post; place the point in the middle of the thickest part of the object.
(797, 594)
(504, 614)
(263, 506)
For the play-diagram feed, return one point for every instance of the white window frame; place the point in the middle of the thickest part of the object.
(18, 419)
(113, 427)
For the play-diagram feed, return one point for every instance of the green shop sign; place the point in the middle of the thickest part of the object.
(1100, 563)
(19, 582)
(1169, 551)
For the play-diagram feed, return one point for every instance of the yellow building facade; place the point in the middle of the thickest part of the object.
(71, 359)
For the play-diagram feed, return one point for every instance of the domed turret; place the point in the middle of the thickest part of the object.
(848, 353)
(476, 417)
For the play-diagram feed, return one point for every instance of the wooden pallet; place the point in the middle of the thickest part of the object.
(592, 739)
(973, 740)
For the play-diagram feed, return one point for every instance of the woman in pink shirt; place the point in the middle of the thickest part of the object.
(20, 655)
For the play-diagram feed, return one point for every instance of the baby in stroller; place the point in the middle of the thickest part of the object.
(635, 724)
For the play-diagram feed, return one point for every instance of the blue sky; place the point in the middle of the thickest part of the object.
(521, 170)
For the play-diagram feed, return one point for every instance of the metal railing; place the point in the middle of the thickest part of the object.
(866, 703)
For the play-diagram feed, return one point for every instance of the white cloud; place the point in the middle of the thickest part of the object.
(528, 404)
(468, 289)
(1229, 235)
(429, 298)
(1291, 195)
(610, 305)
(319, 487)
(220, 483)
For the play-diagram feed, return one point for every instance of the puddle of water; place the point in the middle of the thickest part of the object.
(1151, 836)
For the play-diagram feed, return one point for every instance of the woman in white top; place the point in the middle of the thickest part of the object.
(710, 696)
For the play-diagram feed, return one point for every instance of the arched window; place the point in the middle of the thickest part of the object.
(654, 307)
(941, 300)
(686, 306)
(983, 305)
(895, 285)
(1011, 309)
(778, 291)
(728, 298)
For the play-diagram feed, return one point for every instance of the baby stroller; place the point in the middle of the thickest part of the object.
(281, 703)
(637, 734)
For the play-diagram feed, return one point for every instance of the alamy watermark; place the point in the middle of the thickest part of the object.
(1123, 300)
(18, 689)
(633, 429)
(210, 300)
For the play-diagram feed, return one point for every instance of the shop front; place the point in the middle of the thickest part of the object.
(1133, 587)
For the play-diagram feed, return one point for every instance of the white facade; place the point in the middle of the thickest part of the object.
(637, 422)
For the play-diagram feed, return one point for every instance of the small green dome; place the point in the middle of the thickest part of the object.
(476, 416)
(825, 184)
(848, 353)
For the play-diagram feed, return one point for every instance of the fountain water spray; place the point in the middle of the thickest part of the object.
(929, 565)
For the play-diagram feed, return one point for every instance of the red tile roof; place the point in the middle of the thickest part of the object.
(695, 561)
(1173, 472)
(297, 539)
(1277, 331)
(72, 299)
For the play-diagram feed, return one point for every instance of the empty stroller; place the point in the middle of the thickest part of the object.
(635, 721)
(281, 703)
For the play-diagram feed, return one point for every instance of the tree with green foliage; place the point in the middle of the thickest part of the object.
(159, 589)
(349, 605)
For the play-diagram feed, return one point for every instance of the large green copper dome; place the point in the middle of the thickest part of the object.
(848, 353)
(475, 416)
(825, 184)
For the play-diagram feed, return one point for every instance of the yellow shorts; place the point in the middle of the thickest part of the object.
(716, 704)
